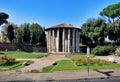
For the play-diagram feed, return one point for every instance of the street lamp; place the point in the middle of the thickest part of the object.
(88, 55)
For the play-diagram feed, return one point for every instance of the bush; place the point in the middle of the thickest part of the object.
(103, 50)
(80, 61)
(112, 48)
(5, 60)
(83, 61)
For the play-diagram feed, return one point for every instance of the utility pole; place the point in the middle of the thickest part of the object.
(88, 56)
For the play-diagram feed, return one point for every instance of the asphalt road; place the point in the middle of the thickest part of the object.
(89, 80)
(103, 80)
(74, 80)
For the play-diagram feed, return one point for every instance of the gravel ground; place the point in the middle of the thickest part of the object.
(115, 58)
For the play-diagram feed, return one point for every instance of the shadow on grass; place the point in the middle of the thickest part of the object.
(1, 53)
(12, 63)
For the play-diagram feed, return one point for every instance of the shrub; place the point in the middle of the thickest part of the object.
(111, 48)
(83, 61)
(5, 60)
(80, 61)
(103, 50)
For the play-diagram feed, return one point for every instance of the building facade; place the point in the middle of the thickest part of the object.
(63, 38)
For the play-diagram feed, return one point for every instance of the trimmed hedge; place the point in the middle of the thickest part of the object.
(103, 50)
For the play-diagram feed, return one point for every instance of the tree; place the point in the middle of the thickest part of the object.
(26, 33)
(94, 31)
(3, 18)
(43, 37)
(112, 12)
(4, 30)
(10, 33)
(29, 33)
(23, 33)
(19, 34)
(35, 30)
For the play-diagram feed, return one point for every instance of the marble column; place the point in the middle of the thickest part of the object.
(63, 40)
(55, 34)
(53, 41)
(49, 40)
(76, 41)
(68, 40)
(57, 42)
(73, 41)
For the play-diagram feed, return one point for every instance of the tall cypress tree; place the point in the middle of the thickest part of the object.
(43, 37)
(10, 33)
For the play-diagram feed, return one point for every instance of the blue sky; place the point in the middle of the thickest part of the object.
(51, 12)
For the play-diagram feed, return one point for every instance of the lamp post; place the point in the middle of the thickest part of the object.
(88, 55)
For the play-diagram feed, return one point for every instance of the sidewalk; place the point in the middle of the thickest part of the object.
(59, 76)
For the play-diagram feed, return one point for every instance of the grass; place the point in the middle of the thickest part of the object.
(76, 55)
(48, 69)
(68, 65)
(22, 54)
(60, 66)
(14, 65)
(65, 65)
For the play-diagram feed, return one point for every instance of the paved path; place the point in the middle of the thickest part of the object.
(42, 62)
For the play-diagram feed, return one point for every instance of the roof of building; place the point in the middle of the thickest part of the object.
(63, 25)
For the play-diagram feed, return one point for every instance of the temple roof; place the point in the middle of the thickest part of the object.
(63, 25)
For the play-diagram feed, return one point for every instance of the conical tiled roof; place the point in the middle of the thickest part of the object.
(63, 25)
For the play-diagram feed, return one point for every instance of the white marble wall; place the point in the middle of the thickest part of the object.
(53, 39)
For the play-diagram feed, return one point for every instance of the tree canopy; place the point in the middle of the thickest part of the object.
(36, 31)
(93, 31)
(10, 33)
(29, 33)
(4, 30)
(112, 12)
(3, 18)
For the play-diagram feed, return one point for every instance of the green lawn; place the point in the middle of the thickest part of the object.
(66, 65)
(61, 65)
(14, 65)
(22, 54)
(76, 55)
